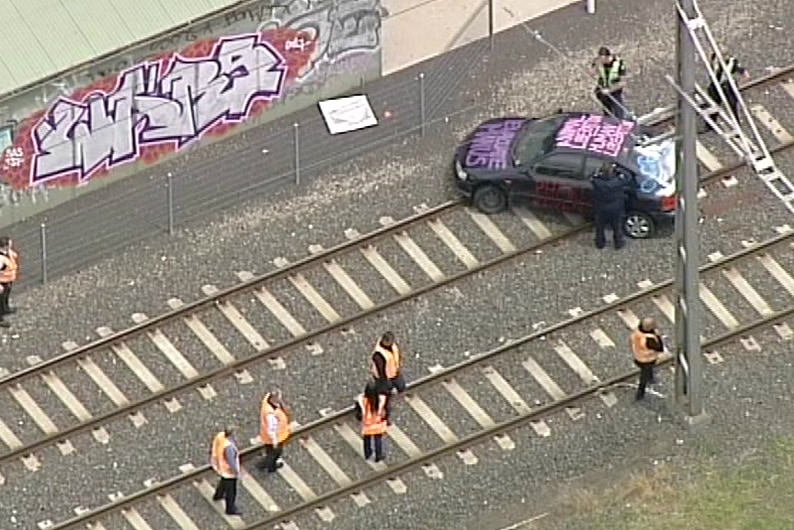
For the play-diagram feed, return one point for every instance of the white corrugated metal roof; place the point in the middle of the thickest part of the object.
(44, 37)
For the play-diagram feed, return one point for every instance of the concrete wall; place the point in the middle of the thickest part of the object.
(252, 64)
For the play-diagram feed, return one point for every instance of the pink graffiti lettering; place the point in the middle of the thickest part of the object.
(156, 102)
(593, 133)
(490, 146)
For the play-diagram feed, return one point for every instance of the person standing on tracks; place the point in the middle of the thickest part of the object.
(610, 73)
(646, 344)
(9, 268)
(274, 430)
(225, 460)
(372, 412)
(732, 69)
(386, 368)
(609, 205)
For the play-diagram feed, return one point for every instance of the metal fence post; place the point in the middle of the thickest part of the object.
(296, 140)
(43, 251)
(490, 23)
(422, 109)
(170, 198)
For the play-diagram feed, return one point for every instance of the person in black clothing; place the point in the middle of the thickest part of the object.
(610, 71)
(387, 346)
(609, 205)
(732, 68)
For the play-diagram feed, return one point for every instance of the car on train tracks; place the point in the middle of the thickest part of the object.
(547, 162)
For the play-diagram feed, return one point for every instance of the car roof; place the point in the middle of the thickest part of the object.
(566, 116)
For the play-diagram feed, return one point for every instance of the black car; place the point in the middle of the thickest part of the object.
(549, 161)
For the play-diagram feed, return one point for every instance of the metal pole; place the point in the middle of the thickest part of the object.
(591, 6)
(422, 108)
(43, 251)
(490, 23)
(170, 197)
(689, 364)
(296, 137)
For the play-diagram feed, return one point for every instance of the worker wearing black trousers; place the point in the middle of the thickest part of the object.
(609, 205)
(732, 69)
(225, 460)
(646, 345)
(610, 72)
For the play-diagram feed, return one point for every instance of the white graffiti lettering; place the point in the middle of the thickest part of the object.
(339, 27)
(14, 157)
(155, 103)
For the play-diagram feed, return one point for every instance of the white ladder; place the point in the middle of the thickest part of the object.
(754, 150)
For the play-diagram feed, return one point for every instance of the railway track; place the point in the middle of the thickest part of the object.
(513, 375)
(474, 242)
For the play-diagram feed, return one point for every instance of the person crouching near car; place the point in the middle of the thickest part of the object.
(609, 205)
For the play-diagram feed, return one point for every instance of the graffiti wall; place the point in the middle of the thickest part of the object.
(225, 74)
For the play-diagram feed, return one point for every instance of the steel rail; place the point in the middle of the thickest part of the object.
(507, 425)
(240, 364)
(667, 114)
(222, 294)
(654, 119)
(451, 371)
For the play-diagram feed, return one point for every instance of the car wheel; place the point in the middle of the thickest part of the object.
(490, 199)
(639, 225)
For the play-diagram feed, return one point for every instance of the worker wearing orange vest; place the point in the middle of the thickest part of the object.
(9, 269)
(274, 430)
(646, 344)
(372, 413)
(386, 366)
(225, 460)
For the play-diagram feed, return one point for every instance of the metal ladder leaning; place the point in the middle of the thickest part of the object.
(753, 150)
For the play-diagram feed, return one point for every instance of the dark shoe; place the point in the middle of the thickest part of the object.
(275, 468)
(4, 324)
(217, 498)
(379, 459)
(234, 513)
(11, 310)
(601, 246)
(620, 245)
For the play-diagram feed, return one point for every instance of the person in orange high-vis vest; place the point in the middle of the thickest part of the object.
(274, 430)
(225, 460)
(386, 365)
(372, 413)
(646, 345)
(9, 269)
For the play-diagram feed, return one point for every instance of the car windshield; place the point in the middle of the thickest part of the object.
(536, 138)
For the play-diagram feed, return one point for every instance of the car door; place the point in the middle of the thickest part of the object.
(592, 165)
(559, 181)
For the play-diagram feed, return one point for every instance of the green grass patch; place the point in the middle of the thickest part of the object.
(754, 491)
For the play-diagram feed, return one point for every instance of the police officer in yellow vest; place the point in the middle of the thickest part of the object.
(610, 71)
(646, 344)
(371, 411)
(225, 460)
(386, 366)
(9, 269)
(274, 430)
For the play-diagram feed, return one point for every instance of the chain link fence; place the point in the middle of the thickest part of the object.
(292, 150)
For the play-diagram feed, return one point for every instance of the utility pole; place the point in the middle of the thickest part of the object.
(688, 358)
